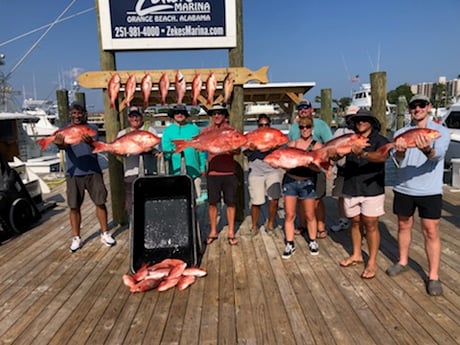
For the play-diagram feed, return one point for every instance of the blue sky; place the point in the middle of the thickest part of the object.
(326, 42)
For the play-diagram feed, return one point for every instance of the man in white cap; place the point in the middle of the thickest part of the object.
(419, 180)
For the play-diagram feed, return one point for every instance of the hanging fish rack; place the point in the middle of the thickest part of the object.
(241, 75)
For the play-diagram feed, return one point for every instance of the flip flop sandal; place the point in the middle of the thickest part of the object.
(210, 239)
(320, 234)
(233, 241)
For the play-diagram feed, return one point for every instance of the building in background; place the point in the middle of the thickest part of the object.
(446, 91)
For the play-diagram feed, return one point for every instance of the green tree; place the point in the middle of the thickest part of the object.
(401, 90)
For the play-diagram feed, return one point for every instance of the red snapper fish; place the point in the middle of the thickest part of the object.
(289, 158)
(130, 88)
(197, 85)
(211, 85)
(72, 135)
(163, 87)
(216, 141)
(342, 145)
(146, 87)
(133, 142)
(113, 88)
(185, 281)
(265, 138)
(180, 86)
(228, 87)
(409, 136)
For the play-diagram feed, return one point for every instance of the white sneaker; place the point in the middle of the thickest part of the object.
(314, 248)
(343, 224)
(76, 244)
(107, 239)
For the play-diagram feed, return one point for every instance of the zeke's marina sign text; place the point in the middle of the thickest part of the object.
(167, 24)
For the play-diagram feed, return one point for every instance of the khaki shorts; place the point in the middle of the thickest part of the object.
(76, 186)
(259, 186)
(371, 206)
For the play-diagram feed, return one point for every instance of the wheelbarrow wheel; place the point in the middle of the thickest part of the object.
(21, 215)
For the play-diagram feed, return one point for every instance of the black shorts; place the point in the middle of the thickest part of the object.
(320, 186)
(76, 186)
(225, 184)
(429, 207)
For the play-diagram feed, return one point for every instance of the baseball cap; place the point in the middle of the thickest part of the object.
(419, 97)
(303, 104)
(134, 111)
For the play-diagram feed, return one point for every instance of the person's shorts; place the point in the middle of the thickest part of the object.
(259, 186)
(320, 186)
(429, 207)
(338, 186)
(370, 206)
(222, 184)
(302, 189)
(76, 186)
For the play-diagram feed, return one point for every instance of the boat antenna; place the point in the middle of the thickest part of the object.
(346, 67)
(21, 60)
(370, 59)
(45, 26)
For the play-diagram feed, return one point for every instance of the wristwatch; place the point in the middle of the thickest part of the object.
(364, 155)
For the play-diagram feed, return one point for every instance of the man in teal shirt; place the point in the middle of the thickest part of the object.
(195, 162)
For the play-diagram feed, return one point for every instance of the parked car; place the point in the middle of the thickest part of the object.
(452, 121)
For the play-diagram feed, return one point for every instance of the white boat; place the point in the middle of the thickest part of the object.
(362, 99)
(45, 116)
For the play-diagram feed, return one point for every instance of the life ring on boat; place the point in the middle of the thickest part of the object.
(21, 215)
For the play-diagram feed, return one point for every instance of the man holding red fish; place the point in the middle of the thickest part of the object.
(195, 161)
(221, 178)
(419, 181)
(83, 173)
(131, 161)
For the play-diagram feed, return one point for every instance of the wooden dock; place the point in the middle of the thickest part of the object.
(250, 295)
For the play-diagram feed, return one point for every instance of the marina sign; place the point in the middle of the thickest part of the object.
(167, 24)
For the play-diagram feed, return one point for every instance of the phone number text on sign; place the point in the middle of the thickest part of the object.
(136, 31)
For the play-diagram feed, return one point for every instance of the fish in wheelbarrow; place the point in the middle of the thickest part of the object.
(265, 139)
(216, 141)
(133, 142)
(409, 136)
(72, 135)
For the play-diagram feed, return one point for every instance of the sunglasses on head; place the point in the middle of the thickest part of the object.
(303, 106)
(305, 127)
(421, 105)
(263, 124)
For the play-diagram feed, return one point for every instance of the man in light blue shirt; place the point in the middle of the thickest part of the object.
(419, 181)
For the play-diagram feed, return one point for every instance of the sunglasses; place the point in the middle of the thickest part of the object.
(263, 124)
(421, 105)
(217, 112)
(134, 115)
(303, 106)
(305, 127)
(179, 113)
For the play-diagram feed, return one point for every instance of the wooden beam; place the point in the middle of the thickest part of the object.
(100, 79)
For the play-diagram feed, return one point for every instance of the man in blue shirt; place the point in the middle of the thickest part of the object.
(83, 173)
(419, 181)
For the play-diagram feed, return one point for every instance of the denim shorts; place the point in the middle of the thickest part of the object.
(302, 189)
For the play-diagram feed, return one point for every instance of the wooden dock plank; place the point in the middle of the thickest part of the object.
(250, 296)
